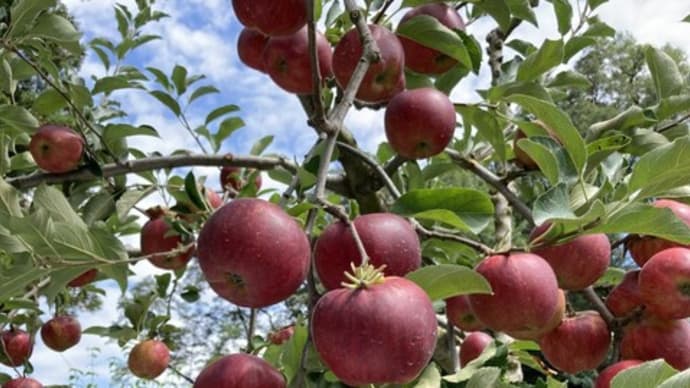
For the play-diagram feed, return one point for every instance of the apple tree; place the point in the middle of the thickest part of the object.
(471, 249)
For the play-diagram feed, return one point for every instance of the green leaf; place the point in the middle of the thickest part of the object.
(564, 15)
(575, 45)
(227, 128)
(446, 280)
(521, 9)
(219, 112)
(56, 205)
(23, 13)
(672, 105)
(466, 209)
(55, 27)
(668, 80)
(554, 203)
(450, 79)
(569, 78)
(18, 118)
(542, 155)
(599, 29)
(191, 188)
(686, 19)
(490, 129)
(168, 101)
(7, 83)
(593, 4)
(98, 207)
(9, 201)
(430, 377)
(109, 84)
(549, 55)
(647, 375)
(680, 380)
(645, 219)
(129, 199)
(261, 145)
(161, 78)
(179, 78)
(202, 91)
(660, 170)
(486, 377)
(560, 124)
(498, 9)
(612, 277)
(428, 31)
(630, 118)
(115, 132)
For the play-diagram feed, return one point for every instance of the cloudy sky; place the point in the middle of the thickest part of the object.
(201, 35)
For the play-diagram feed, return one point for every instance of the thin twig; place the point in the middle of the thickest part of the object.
(382, 12)
(599, 305)
(477, 246)
(317, 94)
(388, 182)
(184, 376)
(250, 330)
(673, 123)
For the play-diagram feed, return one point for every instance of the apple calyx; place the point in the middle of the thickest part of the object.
(364, 276)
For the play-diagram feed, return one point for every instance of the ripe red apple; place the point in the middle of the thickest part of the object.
(665, 284)
(424, 59)
(653, 338)
(236, 178)
(578, 263)
(586, 330)
(420, 123)
(148, 359)
(625, 297)
(536, 333)
(383, 79)
(84, 279)
(240, 371)
(525, 293)
(273, 18)
(642, 248)
(56, 149)
(15, 347)
(287, 61)
(155, 239)
(61, 333)
(381, 333)
(473, 346)
(252, 253)
(388, 239)
(460, 314)
(250, 48)
(23, 382)
(281, 336)
(605, 377)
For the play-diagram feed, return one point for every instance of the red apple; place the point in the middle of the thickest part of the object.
(383, 79)
(56, 149)
(642, 248)
(586, 331)
(148, 359)
(653, 338)
(525, 293)
(625, 297)
(240, 371)
(665, 284)
(61, 333)
(23, 382)
(388, 239)
(250, 48)
(214, 200)
(155, 240)
(420, 123)
(536, 333)
(252, 253)
(281, 336)
(381, 333)
(605, 377)
(236, 178)
(578, 263)
(15, 347)
(473, 346)
(460, 314)
(274, 18)
(424, 59)
(84, 279)
(287, 61)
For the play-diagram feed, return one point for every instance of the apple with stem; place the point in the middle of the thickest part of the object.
(56, 149)
(15, 347)
(149, 359)
(157, 239)
(61, 333)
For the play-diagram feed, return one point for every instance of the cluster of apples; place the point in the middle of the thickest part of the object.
(419, 123)
(528, 304)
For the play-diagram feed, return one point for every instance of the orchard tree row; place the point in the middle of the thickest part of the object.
(472, 249)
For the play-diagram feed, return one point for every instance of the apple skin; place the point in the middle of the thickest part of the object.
(383, 79)
(149, 359)
(245, 238)
(525, 293)
(664, 284)
(653, 338)
(281, 336)
(460, 314)
(18, 346)
(420, 123)
(473, 346)
(287, 61)
(391, 325)
(388, 239)
(625, 297)
(425, 60)
(56, 149)
(642, 248)
(235, 178)
(83, 279)
(61, 333)
(536, 333)
(578, 263)
(154, 240)
(586, 330)
(240, 371)
(605, 377)
(250, 48)
(273, 18)
(23, 382)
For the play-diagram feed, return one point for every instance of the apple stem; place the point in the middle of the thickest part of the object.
(599, 305)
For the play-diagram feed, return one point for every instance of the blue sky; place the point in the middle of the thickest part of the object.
(201, 35)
